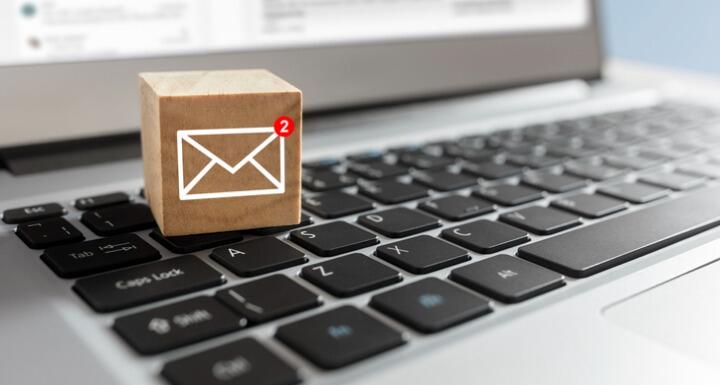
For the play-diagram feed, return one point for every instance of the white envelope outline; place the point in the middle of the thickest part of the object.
(214, 160)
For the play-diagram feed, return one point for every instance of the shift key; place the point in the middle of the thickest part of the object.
(147, 283)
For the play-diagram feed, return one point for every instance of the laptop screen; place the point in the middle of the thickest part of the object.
(53, 31)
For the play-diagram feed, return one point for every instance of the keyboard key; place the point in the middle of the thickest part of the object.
(677, 182)
(474, 155)
(366, 157)
(335, 204)
(147, 283)
(333, 238)
(377, 170)
(390, 191)
(350, 275)
(268, 298)
(99, 255)
(398, 222)
(191, 243)
(491, 170)
(258, 256)
(629, 161)
(508, 194)
(541, 220)
(600, 246)
(485, 236)
(443, 180)
(48, 232)
(556, 183)
(422, 254)
(456, 207)
(634, 192)
(321, 164)
(707, 170)
(589, 205)
(430, 305)
(32, 213)
(243, 362)
(119, 219)
(592, 171)
(93, 202)
(422, 161)
(507, 278)
(339, 337)
(533, 161)
(326, 181)
(305, 220)
(172, 326)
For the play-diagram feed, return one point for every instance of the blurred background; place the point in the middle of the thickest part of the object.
(675, 33)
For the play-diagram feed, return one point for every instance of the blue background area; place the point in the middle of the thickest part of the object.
(675, 33)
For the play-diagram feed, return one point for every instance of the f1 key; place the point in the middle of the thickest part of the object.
(99, 255)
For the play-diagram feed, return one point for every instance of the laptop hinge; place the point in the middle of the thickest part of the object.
(35, 158)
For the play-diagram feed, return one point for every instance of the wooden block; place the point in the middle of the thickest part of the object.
(213, 159)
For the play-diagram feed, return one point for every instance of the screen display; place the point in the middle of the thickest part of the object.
(49, 31)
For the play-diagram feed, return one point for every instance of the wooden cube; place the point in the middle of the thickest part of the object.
(216, 150)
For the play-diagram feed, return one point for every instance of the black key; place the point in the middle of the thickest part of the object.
(335, 204)
(509, 194)
(326, 181)
(243, 362)
(476, 155)
(268, 298)
(48, 232)
(147, 283)
(398, 222)
(677, 182)
(556, 183)
(422, 254)
(507, 278)
(456, 207)
(592, 171)
(333, 238)
(422, 161)
(305, 220)
(32, 213)
(119, 219)
(485, 236)
(321, 164)
(99, 255)
(339, 337)
(191, 243)
(366, 157)
(600, 246)
(707, 170)
(430, 305)
(491, 170)
(443, 180)
(93, 202)
(175, 325)
(634, 192)
(258, 256)
(589, 205)
(390, 191)
(541, 220)
(350, 275)
(377, 170)
(533, 161)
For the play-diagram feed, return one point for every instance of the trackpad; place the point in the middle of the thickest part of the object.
(683, 313)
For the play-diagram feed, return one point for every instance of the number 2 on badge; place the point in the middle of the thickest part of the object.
(284, 126)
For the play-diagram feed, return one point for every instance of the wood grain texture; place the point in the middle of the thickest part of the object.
(199, 100)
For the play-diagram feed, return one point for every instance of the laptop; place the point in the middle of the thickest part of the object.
(484, 201)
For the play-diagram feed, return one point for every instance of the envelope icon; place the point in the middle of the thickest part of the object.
(205, 173)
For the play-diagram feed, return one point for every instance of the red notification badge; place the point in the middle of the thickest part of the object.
(284, 126)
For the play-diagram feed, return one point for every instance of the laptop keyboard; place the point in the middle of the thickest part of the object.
(454, 207)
